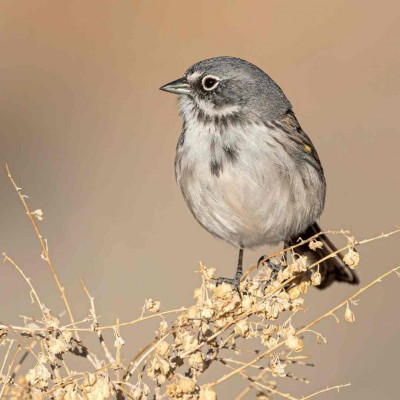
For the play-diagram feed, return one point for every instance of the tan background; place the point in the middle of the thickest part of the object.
(91, 140)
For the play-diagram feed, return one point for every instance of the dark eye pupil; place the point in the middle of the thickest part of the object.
(209, 82)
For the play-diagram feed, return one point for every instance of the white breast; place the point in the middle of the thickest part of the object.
(258, 198)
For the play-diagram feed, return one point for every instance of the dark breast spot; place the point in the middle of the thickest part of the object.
(216, 168)
(181, 140)
(231, 153)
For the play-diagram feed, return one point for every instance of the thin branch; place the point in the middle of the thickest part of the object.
(121, 388)
(269, 389)
(141, 355)
(119, 363)
(45, 252)
(11, 342)
(22, 340)
(73, 377)
(338, 387)
(107, 352)
(23, 358)
(247, 389)
(28, 281)
(255, 382)
(343, 303)
(6, 384)
(141, 319)
(101, 328)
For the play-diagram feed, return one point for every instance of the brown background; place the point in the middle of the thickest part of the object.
(91, 140)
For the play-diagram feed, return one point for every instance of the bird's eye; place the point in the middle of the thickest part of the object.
(210, 82)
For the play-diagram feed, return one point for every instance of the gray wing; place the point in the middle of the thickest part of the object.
(300, 145)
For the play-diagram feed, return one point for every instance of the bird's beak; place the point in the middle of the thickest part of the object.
(180, 86)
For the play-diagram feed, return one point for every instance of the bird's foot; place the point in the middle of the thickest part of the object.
(274, 265)
(235, 282)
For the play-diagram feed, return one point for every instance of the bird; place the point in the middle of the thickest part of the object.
(248, 172)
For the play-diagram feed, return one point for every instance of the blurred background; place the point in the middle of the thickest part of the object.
(91, 140)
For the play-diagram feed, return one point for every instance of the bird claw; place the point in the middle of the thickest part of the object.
(235, 282)
(273, 266)
(276, 268)
(261, 260)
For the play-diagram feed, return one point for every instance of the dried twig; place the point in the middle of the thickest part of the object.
(107, 352)
(280, 344)
(6, 383)
(212, 329)
(45, 252)
(338, 387)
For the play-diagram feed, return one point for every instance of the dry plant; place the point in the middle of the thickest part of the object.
(188, 341)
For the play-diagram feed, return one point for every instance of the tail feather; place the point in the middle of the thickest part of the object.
(333, 269)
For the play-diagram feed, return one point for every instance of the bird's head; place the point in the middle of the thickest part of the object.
(225, 86)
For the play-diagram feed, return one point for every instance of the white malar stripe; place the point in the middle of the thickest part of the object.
(210, 110)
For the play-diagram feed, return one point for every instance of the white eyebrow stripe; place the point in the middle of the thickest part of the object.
(193, 76)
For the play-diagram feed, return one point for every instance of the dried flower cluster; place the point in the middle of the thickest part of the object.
(216, 329)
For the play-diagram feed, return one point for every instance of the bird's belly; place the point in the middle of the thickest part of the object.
(245, 208)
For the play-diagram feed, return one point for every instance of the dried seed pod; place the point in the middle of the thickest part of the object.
(300, 264)
(277, 367)
(207, 393)
(352, 259)
(222, 291)
(39, 376)
(349, 315)
(315, 244)
(162, 348)
(316, 278)
(242, 328)
(38, 214)
(209, 272)
(183, 386)
(294, 343)
(294, 292)
(152, 305)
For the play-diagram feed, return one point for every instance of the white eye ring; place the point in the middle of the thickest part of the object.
(213, 80)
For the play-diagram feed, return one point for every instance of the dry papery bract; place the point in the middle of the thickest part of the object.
(219, 328)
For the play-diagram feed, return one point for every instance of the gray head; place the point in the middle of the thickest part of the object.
(227, 85)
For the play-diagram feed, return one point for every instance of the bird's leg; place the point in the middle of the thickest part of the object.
(239, 269)
(239, 272)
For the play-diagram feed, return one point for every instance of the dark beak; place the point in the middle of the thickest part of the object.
(180, 86)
